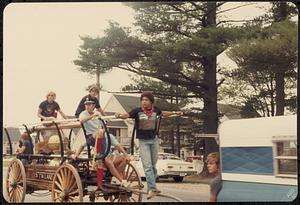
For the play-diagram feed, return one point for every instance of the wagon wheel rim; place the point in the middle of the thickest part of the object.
(132, 176)
(16, 182)
(66, 185)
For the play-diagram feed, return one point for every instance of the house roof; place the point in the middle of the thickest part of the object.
(128, 102)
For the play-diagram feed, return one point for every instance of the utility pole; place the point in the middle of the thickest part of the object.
(177, 125)
(98, 82)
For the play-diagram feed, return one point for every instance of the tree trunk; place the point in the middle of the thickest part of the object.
(279, 76)
(279, 79)
(210, 115)
(177, 126)
(173, 141)
(282, 12)
(272, 97)
(178, 139)
(210, 110)
(98, 82)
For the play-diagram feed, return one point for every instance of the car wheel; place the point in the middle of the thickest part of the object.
(178, 179)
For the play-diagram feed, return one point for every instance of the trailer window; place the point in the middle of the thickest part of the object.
(285, 156)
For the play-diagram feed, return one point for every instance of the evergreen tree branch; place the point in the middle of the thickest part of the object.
(234, 21)
(220, 83)
(233, 8)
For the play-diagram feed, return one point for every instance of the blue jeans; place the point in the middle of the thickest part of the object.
(149, 155)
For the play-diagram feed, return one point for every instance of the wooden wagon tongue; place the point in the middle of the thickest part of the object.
(108, 117)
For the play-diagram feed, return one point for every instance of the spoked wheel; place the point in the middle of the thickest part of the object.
(132, 176)
(16, 181)
(66, 185)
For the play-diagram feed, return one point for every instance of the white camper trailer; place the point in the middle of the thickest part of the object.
(259, 159)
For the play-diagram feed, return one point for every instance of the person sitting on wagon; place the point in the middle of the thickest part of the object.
(94, 129)
(25, 147)
(116, 163)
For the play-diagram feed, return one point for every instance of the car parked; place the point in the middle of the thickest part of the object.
(169, 166)
(197, 161)
(193, 158)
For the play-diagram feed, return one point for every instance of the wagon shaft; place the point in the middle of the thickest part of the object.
(60, 126)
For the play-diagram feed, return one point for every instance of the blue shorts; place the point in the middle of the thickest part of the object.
(90, 140)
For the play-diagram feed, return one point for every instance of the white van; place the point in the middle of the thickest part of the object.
(259, 159)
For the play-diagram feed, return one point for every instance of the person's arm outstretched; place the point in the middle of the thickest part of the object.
(122, 116)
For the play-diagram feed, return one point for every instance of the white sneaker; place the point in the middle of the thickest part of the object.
(125, 183)
(151, 194)
(158, 191)
(115, 181)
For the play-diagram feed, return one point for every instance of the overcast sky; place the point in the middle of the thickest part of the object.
(42, 39)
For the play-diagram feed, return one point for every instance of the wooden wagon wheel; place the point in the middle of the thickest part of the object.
(16, 181)
(66, 185)
(132, 176)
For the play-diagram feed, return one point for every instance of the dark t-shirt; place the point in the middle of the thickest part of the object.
(48, 109)
(28, 147)
(81, 107)
(216, 185)
(145, 127)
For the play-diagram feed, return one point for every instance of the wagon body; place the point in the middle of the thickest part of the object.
(67, 179)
